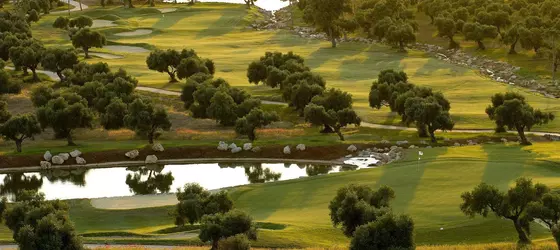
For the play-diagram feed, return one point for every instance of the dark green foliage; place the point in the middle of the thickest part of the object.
(547, 210)
(237, 242)
(389, 85)
(356, 205)
(195, 202)
(485, 199)
(85, 39)
(8, 85)
(325, 15)
(256, 118)
(319, 116)
(64, 114)
(222, 108)
(274, 67)
(56, 59)
(61, 22)
(33, 16)
(113, 117)
(179, 64)
(448, 28)
(147, 120)
(387, 232)
(4, 114)
(80, 22)
(427, 112)
(19, 128)
(221, 226)
(29, 54)
(478, 32)
(193, 65)
(298, 89)
(7, 41)
(511, 110)
(40, 224)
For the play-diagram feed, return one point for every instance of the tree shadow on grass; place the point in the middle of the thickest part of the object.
(285, 38)
(433, 64)
(404, 179)
(376, 60)
(227, 23)
(167, 20)
(505, 164)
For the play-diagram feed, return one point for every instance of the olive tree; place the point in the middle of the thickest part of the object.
(4, 113)
(85, 39)
(57, 60)
(221, 226)
(512, 205)
(325, 16)
(28, 55)
(478, 32)
(319, 116)
(195, 202)
(547, 211)
(428, 112)
(61, 22)
(256, 118)
(387, 232)
(146, 119)
(20, 128)
(80, 22)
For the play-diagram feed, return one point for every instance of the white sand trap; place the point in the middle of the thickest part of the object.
(138, 32)
(102, 23)
(126, 49)
(105, 55)
(167, 10)
(134, 202)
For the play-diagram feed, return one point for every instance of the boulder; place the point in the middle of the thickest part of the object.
(232, 146)
(45, 164)
(80, 161)
(300, 147)
(65, 156)
(132, 154)
(352, 148)
(158, 147)
(256, 149)
(47, 156)
(287, 150)
(385, 142)
(504, 140)
(222, 146)
(457, 144)
(75, 153)
(57, 159)
(402, 142)
(412, 146)
(151, 159)
(236, 150)
(247, 146)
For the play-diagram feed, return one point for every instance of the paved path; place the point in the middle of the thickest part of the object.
(50, 74)
(73, 3)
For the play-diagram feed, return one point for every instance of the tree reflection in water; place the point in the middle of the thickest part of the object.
(76, 176)
(15, 183)
(255, 172)
(314, 170)
(149, 179)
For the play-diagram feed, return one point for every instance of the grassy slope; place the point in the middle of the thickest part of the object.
(217, 31)
(428, 191)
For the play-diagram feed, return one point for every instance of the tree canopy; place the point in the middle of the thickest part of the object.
(195, 202)
(146, 119)
(57, 60)
(221, 226)
(256, 118)
(20, 128)
(325, 15)
(179, 64)
(85, 39)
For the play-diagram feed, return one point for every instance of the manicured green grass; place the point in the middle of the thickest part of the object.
(428, 190)
(218, 31)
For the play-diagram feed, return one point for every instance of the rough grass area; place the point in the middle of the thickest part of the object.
(219, 31)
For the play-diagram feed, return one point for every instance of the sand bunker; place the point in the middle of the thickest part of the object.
(167, 10)
(105, 55)
(102, 23)
(126, 49)
(138, 32)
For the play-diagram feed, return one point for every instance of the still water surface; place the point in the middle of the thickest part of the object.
(112, 182)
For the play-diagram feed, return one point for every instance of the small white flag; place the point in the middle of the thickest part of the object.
(420, 153)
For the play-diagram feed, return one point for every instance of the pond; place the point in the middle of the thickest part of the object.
(154, 179)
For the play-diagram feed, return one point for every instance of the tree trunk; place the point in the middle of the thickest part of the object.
(333, 40)
(86, 52)
(35, 76)
(431, 19)
(252, 135)
(214, 245)
(452, 43)
(172, 77)
(152, 3)
(433, 136)
(481, 45)
(523, 238)
(70, 139)
(401, 46)
(422, 131)
(327, 129)
(25, 73)
(59, 74)
(18, 145)
(521, 133)
(130, 4)
(512, 47)
(151, 137)
(556, 235)
(80, 1)
(340, 135)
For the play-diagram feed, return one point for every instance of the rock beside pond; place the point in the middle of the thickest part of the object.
(80, 161)
(457, 144)
(385, 142)
(158, 147)
(352, 148)
(47, 156)
(65, 156)
(236, 150)
(300, 147)
(151, 159)
(57, 159)
(504, 140)
(45, 165)
(232, 146)
(287, 150)
(247, 146)
(132, 154)
(256, 149)
(75, 153)
(222, 146)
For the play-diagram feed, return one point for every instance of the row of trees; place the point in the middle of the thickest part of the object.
(304, 91)
(421, 106)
